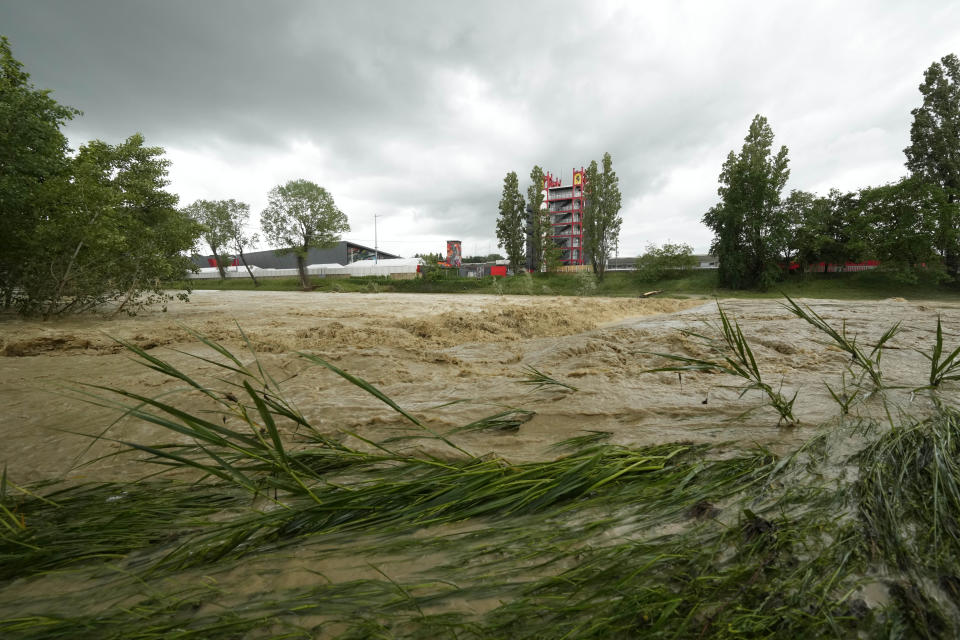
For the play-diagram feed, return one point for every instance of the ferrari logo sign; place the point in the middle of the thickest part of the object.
(577, 178)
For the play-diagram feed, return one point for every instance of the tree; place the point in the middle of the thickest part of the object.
(492, 257)
(214, 218)
(539, 220)
(431, 269)
(238, 213)
(33, 154)
(301, 215)
(903, 225)
(670, 260)
(552, 255)
(601, 215)
(79, 231)
(826, 229)
(798, 210)
(934, 151)
(511, 221)
(110, 233)
(748, 222)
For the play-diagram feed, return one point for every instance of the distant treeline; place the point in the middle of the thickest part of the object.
(910, 226)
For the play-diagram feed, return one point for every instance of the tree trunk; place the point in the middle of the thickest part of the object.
(952, 262)
(216, 258)
(249, 270)
(302, 268)
(127, 296)
(73, 259)
(951, 257)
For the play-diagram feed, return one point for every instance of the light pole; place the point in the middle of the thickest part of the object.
(376, 249)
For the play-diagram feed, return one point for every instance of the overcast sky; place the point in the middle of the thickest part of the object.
(415, 111)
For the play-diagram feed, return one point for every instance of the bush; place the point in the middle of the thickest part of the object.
(668, 261)
(586, 283)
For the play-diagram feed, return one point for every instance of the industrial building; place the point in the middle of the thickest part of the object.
(565, 208)
(343, 253)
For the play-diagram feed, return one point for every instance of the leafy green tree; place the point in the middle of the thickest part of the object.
(238, 239)
(748, 222)
(431, 269)
(492, 257)
(552, 255)
(601, 214)
(214, 219)
(112, 233)
(33, 155)
(825, 229)
(798, 212)
(510, 232)
(301, 215)
(902, 221)
(539, 220)
(670, 260)
(79, 231)
(934, 151)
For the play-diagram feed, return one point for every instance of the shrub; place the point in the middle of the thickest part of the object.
(668, 261)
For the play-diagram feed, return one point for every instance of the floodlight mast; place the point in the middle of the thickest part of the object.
(376, 250)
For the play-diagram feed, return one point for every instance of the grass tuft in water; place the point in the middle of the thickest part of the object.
(539, 380)
(737, 359)
(507, 420)
(591, 438)
(868, 362)
(942, 367)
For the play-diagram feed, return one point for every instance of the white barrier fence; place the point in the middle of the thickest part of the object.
(358, 269)
(211, 273)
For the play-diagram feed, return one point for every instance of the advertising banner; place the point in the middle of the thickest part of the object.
(453, 253)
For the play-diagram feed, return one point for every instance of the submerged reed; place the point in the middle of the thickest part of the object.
(539, 380)
(943, 368)
(868, 362)
(736, 359)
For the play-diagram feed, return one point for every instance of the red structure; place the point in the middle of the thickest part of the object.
(213, 262)
(830, 267)
(565, 207)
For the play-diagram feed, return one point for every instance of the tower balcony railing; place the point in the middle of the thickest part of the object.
(558, 193)
(566, 241)
(565, 217)
(565, 207)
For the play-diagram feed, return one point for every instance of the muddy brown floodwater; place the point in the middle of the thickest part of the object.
(425, 351)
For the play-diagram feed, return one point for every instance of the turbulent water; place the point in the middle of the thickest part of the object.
(425, 351)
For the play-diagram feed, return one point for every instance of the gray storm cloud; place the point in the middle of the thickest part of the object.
(417, 110)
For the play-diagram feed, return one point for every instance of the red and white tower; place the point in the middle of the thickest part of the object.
(565, 208)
